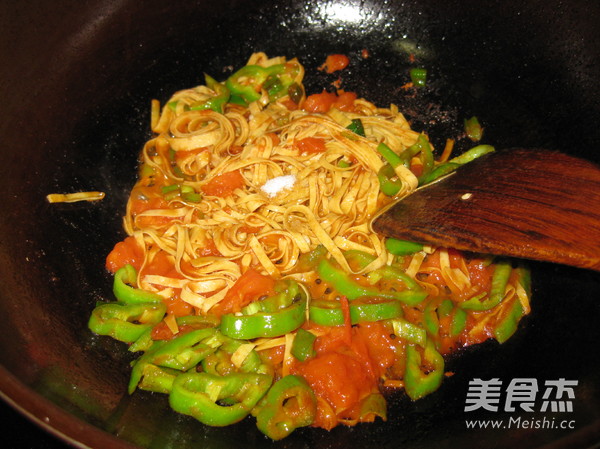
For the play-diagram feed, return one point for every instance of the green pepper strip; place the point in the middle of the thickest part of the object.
(459, 322)
(432, 323)
(125, 322)
(459, 318)
(197, 394)
(286, 290)
(356, 126)
(438, 172)
(417, 383)
(303, 346)
(499, 281)
(409, 331)
(352, 290)
(130, 295)
(181, 353)
(219, 362)
(508, 324)
(373, 405)
(310, 261)
(389, 183)
(453, 164)
(289, 404)
(426, 157)
(402, 247)
(389, 155)
(264, 324)
(472, 154)
(473, 129)
(216, 103)
(393, 273)
(256, 76)
(418, 76)
(329, 313)
(358, 259)
(421, 144)
(196, 321)
(157, 379)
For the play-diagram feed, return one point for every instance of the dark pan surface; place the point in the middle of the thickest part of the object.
(76, 83)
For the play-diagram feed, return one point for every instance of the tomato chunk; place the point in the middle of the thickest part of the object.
(249, 287)
(336, 62)
(124, 253)
(323, 102)
(224, 185)
(310, 145)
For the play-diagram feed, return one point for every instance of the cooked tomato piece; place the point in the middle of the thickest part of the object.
(225, 184)
(336, 62)
(125, 252)
(249, 287)
(310, 145)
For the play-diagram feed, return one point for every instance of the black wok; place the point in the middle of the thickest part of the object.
(76, 81)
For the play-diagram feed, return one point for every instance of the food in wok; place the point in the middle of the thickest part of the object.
(250, 282)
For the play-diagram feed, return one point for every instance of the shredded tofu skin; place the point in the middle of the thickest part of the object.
(74, 197)
(291, 201)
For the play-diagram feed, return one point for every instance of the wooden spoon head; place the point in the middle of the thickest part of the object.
(525, 203)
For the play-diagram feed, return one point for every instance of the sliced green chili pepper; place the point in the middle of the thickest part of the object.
(373, 405)
(473, 129)
(289, 404)
(438, 172)
(402, 247)
(266, 324)
(418, 383)
(196, 321)
(130, 295)
(199, 394)
(216, 103)
(247, 82)
(310, 261)
(389, 182)
(423, 149)
(409, 331)
(356, 126)
(507, 325)
(187, 350)
(500, 278)
(303, 346)
(180, 353)
(453, 164)
(359, 260)
(125, 322)
(219, 362)
(352, 289)
(286, 292)
(393, 273)
(472, 154)
(432, 323)
(418, 76)
(459, 322)
(389, 155)
(329, 313)
(157, 379)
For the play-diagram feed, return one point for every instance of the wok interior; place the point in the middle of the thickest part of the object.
(78, 83)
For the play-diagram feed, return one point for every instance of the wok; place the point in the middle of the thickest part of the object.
(76, 82)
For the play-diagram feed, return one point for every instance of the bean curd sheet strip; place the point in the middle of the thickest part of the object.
(249, 229)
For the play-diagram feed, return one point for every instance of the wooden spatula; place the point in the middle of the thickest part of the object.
(532, 204)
